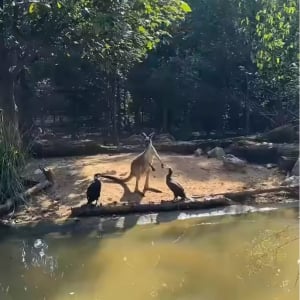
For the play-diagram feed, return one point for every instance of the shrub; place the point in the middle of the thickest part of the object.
(12, 162)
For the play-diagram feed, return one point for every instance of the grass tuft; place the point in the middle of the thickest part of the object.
(12, 162)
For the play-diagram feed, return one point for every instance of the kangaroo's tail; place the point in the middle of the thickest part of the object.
(116, 179)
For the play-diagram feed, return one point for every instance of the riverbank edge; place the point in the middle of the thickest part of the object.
(102, 225)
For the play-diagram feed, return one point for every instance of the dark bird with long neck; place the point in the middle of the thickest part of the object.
(174, 186)
(94, 190)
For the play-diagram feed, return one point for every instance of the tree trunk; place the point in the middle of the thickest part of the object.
(247, 108)
(165, 119)
(7, 99)
(137, 117)
(115, 109)
(25, 109)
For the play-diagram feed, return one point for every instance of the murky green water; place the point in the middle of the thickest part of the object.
(226, 258)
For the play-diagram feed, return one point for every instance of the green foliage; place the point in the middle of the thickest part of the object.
(203, 65)
(185, 7)
(113, 34)
(272, 29)
(277, 37)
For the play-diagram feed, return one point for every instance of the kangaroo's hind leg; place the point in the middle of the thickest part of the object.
(136, 189)
(146, 186)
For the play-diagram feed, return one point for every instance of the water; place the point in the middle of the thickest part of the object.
(251, 256)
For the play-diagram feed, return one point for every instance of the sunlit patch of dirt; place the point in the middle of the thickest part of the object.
(198, 175)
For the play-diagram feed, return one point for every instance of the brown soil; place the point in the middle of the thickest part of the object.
(198, 175)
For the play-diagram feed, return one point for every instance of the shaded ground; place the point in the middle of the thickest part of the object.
(200, 177)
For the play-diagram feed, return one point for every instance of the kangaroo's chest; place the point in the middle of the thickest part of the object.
(149, 155)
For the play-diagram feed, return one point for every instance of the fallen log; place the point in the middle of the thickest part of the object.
(59, 148)
(237, 196)
(36, 189)
(262, 152)
(87, 147)
(203, 203)
(62, 147)
(286, 163)
(10, 203)
(281, 134)
(242, 147)
(213, 201)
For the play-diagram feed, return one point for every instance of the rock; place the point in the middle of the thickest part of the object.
(233, 163)
(37, 172)
(164, 138)
(198, 152)
(292, 180)
(295, 170)
(270, 166)
(282, 134)
(195, 134)
(216, 152)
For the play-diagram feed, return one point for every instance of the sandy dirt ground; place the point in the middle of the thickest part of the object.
(198, 175)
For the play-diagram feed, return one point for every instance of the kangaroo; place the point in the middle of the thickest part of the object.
(141, 165)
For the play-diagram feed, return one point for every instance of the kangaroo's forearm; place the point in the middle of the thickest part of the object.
(156, 155)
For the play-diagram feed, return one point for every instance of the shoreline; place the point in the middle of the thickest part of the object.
(104, 225)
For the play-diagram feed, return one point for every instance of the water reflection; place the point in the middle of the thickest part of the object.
(34, 253)
(229, 258)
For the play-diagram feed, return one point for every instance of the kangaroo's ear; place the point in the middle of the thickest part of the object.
(151, 134)
(144, 134)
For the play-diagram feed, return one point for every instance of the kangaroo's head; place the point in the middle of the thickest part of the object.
(148, 138)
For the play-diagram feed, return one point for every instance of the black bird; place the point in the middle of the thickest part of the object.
(175, 187)
(94, 190)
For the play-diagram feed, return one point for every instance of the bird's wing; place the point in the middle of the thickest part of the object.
(177, 184)
(88, 189)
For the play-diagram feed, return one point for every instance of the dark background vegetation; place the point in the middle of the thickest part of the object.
(116, 67)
